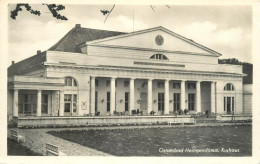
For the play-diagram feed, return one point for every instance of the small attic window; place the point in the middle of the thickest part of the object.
(159, 57)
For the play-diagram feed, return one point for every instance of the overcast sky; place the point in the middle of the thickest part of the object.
(225, 29)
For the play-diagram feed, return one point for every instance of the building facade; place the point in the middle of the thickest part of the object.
(98, 72)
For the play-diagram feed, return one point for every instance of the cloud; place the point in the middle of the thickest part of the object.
(20, 51)
(116, 23)
(33, 30)
(208, 33)
(232, 36)
(28, 36)
(231, 42)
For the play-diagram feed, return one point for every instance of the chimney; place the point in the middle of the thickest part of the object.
(77, 25)
(13, 62)
(38, 52)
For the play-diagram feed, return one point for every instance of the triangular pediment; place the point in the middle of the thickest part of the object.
(157, 38)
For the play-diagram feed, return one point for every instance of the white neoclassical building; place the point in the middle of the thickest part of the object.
(92, 71)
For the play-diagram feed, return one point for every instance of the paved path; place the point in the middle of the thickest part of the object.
(36, 138)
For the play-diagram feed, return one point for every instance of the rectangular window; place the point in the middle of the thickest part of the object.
(191, 100)
(96, 83)
(70, 103)
(107, 83)
(126, 101)
(176, 85)
(191, 86)
(96, 101)
(115, 101)
(44, 103)
(160, 84)
(160, 101)
(108, 101)
(67, 103)
(176, 101)
(21, 104)
(75, 103)
(126, 84)
(233, 104)
(224, 103)
(34, 104)
(27, 104)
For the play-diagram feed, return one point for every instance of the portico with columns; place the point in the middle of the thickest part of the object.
(109, 95)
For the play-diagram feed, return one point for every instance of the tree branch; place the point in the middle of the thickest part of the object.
(109, 13)
(18, 8)
(53, 8)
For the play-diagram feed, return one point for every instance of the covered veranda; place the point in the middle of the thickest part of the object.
(35, 96)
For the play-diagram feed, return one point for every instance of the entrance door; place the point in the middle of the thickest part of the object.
(160, 101)
(44, 104)
(191, 99)
(143, 103)
(229, 104)
(176, 101)
(96, 102)
(67, 104)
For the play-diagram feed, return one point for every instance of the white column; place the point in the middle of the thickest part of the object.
(166, 97)
(61, 111)
(183, 95)
(112, 95)
(198, 97)
(39, 103)
(15, 103)
(92, 96)
(212, 95)
(150, 96)
(132, 95)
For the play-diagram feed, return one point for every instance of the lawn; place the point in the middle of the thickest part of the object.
(14, 148)
(175, 141)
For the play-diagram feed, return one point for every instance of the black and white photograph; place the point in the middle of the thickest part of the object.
(129, 80)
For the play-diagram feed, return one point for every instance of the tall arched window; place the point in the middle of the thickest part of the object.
(70, 96)
(70, 81)
(229, 87)
(159, 57)
(229, 99)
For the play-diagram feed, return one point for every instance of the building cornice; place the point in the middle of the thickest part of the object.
(146, 70)
(154, 50)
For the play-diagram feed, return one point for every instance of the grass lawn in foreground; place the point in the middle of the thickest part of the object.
(14, 148)
(212, 141)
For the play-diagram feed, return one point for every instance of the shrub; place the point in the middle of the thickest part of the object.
(152, 112)
(186, 111)
(180, 112)
(133, 112)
